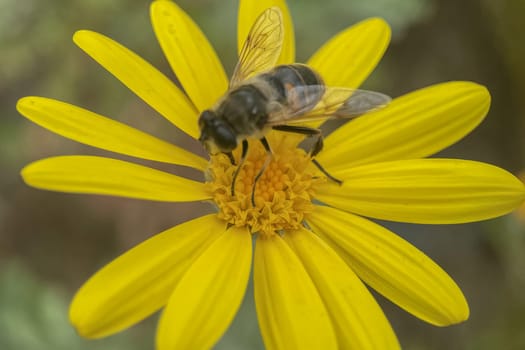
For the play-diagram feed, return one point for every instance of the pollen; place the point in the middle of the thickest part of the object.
(282, 194)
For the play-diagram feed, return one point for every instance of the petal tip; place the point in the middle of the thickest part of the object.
(155, 4)
(378, 25)
(23, 102)
(80, 36)
(30, 173)
(78, 322)
(479, 93)
(26, 172)
(460, 315)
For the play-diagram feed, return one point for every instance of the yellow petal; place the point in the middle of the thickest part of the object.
(142, 78)
(427, 191)
(208, 296)
(189, 53)
(358, 320)
(249, 10)
(349, 57)
(99, 175)
(95, 130)
(290, 311)
(140, 281)
(392, 266)
(412, 126)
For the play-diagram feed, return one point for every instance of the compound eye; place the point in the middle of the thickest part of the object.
(225, 138)
(206, 118)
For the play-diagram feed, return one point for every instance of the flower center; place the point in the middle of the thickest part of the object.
(283, 193)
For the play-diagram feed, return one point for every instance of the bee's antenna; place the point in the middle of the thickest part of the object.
(263, 168)
(241, 162)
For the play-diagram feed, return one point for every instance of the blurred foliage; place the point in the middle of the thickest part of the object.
(314, 28)
(33, 316)
(61, 239)
(505, 241)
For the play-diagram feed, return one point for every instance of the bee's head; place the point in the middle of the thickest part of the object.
(216, 135)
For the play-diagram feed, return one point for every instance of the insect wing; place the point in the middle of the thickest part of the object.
(315, 102)
(262, 46)
(362, 101)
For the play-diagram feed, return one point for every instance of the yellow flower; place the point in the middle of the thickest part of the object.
(313, 248)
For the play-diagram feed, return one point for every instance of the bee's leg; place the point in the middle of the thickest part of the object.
(297, 129)
(266, 146)
(241, 162)
(316, 148)
(230, 157)
(318, 145)
(326, 173)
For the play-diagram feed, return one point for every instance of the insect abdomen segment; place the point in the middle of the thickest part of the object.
(287, 80)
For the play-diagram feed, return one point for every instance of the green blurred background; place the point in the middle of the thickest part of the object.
(51, 242)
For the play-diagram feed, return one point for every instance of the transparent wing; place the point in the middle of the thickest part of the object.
(315, 102)
(261, 48)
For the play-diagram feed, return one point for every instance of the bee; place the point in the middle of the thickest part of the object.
(262, 96)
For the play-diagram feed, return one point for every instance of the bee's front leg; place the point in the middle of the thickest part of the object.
(230, 157)
(241, 161)
(266, 146)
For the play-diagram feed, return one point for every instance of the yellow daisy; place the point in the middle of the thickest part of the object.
(313, 248)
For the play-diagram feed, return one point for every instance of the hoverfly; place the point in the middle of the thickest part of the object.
(262, 96)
